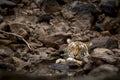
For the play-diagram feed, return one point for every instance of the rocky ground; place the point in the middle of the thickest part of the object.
(33, 36)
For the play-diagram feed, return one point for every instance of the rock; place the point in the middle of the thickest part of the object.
(105, 33)
(61, 2)
(51, 6)
(36, 45)
(44, 18)
(4, 66)
(5, 41)
(116, 52)
(60, 37)
(60, 26)
(110, 7)
(20, 29)
(20, 64)
(68, 66)
(7, 4)
(59, 67)
(34, 59)
(16, 1)
(5, 51)
(55, 40)
(79, 7)
(104, 42)
(111, 24)
(1, 18)
(103, 54)
(43, 54)
(67, 14)
(49, 42)
(104, 70)
(4, 26)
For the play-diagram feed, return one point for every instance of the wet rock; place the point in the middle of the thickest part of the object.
(68, 66)
(104, 70)
(7, 4)
(103, 54)
(59, 67)
(20, 64)
(104, 42)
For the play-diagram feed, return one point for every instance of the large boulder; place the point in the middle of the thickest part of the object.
(103, 54)
(104, 42)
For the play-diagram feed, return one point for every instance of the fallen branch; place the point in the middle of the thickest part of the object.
(16, 35)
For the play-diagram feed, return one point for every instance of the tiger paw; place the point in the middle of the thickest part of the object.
(60, 60)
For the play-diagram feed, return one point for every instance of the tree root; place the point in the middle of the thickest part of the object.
(16, 35)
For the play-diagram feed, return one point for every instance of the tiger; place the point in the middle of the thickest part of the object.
(77, 49)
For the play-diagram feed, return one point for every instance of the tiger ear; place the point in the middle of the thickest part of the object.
(69, 40)
(90, 44)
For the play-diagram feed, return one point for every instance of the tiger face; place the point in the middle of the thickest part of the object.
(77, 49)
